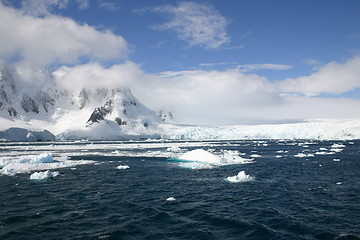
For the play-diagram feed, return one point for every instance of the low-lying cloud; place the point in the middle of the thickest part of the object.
(210, 97)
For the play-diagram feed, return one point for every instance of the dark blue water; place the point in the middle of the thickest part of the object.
(291, 198)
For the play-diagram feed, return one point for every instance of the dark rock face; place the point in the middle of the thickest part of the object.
(29, 104)
(164, 115)
(100, 113)
(15, 100)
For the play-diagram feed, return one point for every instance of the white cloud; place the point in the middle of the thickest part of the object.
(93, 75)
(266, 66)
(197, 24)
(54, 39)
(333, 78)
(46, 7)
(208, 97)
(109, 5)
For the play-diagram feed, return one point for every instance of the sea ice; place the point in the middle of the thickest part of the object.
(335, 145)
(240, 177)
(301, 155)
(195, 165)
(324, 153)
(173, 149)
(122, 167)
(43, 175)
(22, 164)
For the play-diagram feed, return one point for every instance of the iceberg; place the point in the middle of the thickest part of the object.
(240, 177)
(200, 155)
(201, 159)
(43, 175)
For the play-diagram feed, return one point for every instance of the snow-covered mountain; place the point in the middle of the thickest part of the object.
(38, 103)
(32, 101)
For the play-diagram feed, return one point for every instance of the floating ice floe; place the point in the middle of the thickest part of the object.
(122, 167)
(170, 199)
(43, 175)
(336, 149)
(324, 153)
(240, 177)
(200, 159)
(335, 145)
(45, 161)
(301, 155)
(255, 155)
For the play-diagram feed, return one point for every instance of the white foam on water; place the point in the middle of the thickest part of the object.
(240, 177)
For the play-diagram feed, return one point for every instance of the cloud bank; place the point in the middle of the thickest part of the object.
(226, 97)
(197, 24)
(333, 78)
(53, 39)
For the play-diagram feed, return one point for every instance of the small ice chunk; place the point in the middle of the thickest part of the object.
(43, 175)
(122, 167)
(170, 199)
(335, 145)
(336, 160)
(255, 155)
(173, 149)
(301, 155)
(324, 153)
(338, 183)
(336, 149)
(240, 177)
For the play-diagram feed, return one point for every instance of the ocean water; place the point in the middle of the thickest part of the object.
(316, 196)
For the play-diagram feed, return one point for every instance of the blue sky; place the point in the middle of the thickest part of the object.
(308, 50)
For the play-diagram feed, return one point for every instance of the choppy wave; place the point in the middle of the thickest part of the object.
(291, 197)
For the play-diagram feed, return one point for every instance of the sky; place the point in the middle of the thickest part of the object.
(209, 62)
